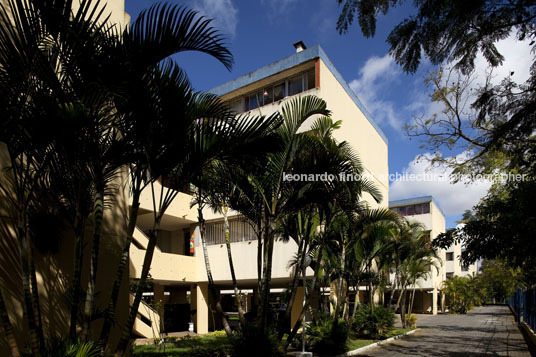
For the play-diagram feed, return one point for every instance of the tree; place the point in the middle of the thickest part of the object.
(43, 47)
(444, 31)
(463, 293)
(494, 121)
(499, 280)
(501, 227)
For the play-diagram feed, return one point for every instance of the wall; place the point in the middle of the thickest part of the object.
(358, 131)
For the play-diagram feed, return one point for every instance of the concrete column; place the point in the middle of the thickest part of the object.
(202, 307)
(296, 307)
(443, 301)
(158, 293)
(159, 301)
(434, 301)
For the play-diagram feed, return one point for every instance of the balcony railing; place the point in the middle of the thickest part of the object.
(240, 230)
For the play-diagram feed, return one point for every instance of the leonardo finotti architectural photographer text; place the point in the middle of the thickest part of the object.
(406, 177)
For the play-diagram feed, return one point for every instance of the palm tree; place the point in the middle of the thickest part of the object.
(39, 52)
(412, 253)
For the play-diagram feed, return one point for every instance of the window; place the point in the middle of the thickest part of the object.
(450, 256)
(268, 95)
(465, 268)
(411, 210)
(271, 94)
(310, 79)
(295, 85)
(425, 208)
(450, 275)
(255, 100)
(279, 91)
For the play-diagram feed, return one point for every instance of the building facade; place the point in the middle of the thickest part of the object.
(426, 210)
(179, 276)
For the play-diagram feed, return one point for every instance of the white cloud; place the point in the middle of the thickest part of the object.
(224, 13)
(454, 199)
(518, 58)
(375, 77)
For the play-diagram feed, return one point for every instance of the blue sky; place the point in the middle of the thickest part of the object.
(260, 32)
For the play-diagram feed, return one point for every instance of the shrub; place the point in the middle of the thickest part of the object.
(218, 333)
(373, 323)
(57, 347)
(327, 337)
(251, 341)
(411, 321)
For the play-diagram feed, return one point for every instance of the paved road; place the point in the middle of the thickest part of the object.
(485, 331)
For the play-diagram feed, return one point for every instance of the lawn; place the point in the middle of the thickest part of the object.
(210, 345)
(216, 344)
(353, 344)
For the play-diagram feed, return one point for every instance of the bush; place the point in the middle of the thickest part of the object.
(56, 347)
(373, 323)
(411, 321)
(327, 337)
(251, 341)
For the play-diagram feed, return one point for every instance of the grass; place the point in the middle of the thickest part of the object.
(188, 346)
(355, 343)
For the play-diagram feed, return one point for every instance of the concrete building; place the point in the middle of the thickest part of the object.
(179, 277)
(426, 211)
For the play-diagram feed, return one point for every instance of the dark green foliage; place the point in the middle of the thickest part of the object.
(327, 337)
(64, 348)
(463, 293)
(502, 227)
(373, 323)
(499, 280)
(252, 340)
(444, 30)
(212, 345)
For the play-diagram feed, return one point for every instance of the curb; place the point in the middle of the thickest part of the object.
(364, 348)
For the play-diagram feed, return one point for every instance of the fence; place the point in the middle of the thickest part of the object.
(523, 302)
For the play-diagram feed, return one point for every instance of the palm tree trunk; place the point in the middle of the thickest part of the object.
(403, 308)
(8, 328)
(346, 308)
(211, 285)
(238, 297)
(28, 298)
(35, 299)
(356, 301)
(259, 257)
(267, 271)
(296, 327)
(340, 287)
(98, 212)
(110, 316)
(410, 308)
(293, 288)
(147, 260)
(77, 272)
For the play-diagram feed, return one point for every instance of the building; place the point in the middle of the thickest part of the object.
(427, 211)
(179, 277)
